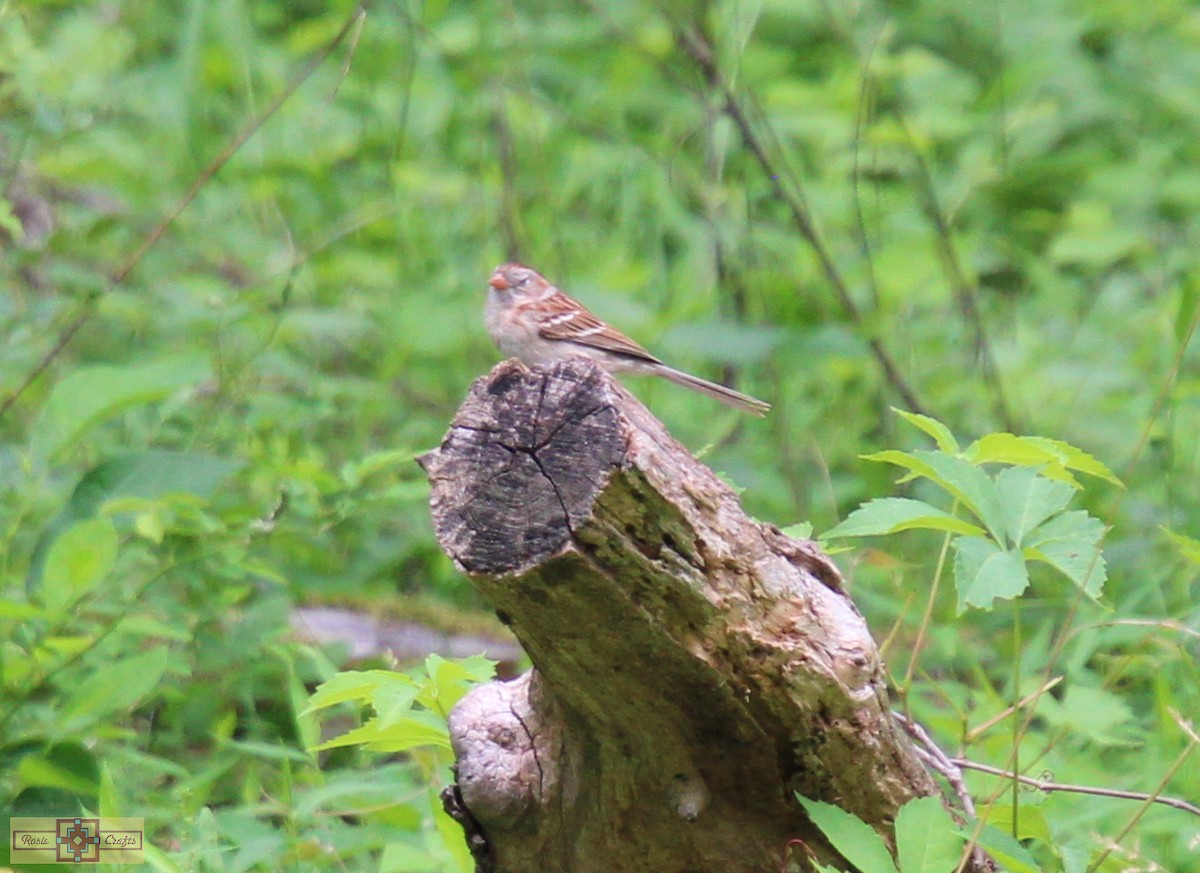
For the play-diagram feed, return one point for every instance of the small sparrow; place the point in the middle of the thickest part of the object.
(530, 319)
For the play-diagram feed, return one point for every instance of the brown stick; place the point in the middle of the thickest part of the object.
(702, 54)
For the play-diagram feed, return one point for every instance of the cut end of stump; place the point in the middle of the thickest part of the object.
(522, 463)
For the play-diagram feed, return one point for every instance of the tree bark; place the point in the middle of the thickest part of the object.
(693, 667)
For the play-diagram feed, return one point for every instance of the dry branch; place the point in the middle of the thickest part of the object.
(692, 666)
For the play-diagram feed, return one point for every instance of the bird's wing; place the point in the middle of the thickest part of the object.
(579, 326)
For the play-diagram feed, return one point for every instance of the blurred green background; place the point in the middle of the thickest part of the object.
(1006, 193)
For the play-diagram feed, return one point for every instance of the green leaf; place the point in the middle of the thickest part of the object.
(148, 475)
(116, 686)
(1027, 451)
(1028, 499)
(78, 561)
(359, 736)
(927, 840)
(68, 766)
(394, 700)
(940, 433)
(1071, 544)
(90, 395)
(1188, 548)
(970, 485)
(406, 858)
(1031, 823)
(1092, 712)
(888, 515)
(983, 572)
(801, 530)
(349, 685)
(21, 611)
(449, 680)
(850, 835)
(1010, 854)
(416, 730)
(1189, 302)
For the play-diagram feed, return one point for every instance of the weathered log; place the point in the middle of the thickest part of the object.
(693, 667)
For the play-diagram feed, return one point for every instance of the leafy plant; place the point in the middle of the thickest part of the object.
(927, 840)
(1019, 514)
(409, 712)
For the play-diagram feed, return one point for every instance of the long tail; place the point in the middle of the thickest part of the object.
(728, 396)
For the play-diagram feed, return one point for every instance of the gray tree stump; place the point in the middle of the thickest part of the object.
(693, 667)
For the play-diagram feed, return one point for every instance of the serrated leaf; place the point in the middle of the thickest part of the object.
(350, 685)
(984, 572)
(934, 428)
(449, 680)
(888, 515)
(1071, 544)
(1028, 499)
(418, 729)
(967, 483)
(1029, 451)
(854, 839)
(927, 840)
(78, 561)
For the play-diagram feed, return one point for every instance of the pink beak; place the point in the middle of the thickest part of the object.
(498, 282)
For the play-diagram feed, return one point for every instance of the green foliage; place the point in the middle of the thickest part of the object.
(410, 708)
(409, 715)
(1002, 189)
(1020, 511)
(927, 840)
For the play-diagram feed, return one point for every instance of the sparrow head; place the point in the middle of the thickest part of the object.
(519, 281)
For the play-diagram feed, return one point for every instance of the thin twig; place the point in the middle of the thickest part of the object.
(1156, 795)
(506, 157)
(702, 54)
(935, 759)
(1048, 786)
(965, 291)
(865, 93)
(974, 733)
(87, 305)
(939, 761)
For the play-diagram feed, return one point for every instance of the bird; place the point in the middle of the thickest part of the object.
(530, 319)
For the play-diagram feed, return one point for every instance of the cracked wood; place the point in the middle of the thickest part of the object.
(693, 667)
